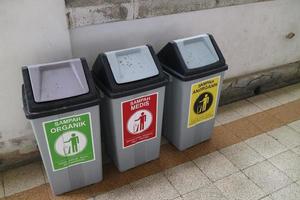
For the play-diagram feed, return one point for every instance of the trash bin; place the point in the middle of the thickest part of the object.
(132, 85)
(62, 103)
(196, 67)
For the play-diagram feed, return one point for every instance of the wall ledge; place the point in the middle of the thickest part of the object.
(89, 12)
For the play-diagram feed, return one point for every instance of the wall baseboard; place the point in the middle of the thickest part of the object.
(252, 84)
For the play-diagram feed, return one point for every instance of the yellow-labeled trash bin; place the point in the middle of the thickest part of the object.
(196, 68)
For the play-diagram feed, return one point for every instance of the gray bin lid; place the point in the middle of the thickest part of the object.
(57, 80)
(132, 64)
(197, 51)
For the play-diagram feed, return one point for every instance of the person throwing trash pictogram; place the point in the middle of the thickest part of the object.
(141, 122)
(74, 142)
(203, 104)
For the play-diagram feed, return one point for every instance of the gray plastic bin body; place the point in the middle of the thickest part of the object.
(196, 69)
(176, 125)
(132, 85)
(139, 153)
(76, 176)
(62, 104)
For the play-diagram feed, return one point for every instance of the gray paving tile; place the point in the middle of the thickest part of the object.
(267, 177)
(238, 186)
(286, 136)
(266, 145)
(226, 114)
(291, 192)
(215, 166)
(289, 163)
(155, 187)
(296, 150)
(266, 198)
(209, 192)
(186, 177)
(264, 102)
(178, 198)
(281, 96)
(122, 193)
(295, 125)
(241, 155)
(245, 108)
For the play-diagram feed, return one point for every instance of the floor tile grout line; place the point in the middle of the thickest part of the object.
(243, 169)
(210, 184)
(288, 150)
(267, 194)
(193, 161)
(293, 182)
(260, 110)
(213, 182)
(281, 90)
(297, 131)
(163, 172)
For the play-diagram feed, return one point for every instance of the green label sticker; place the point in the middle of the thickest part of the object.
(70, 141)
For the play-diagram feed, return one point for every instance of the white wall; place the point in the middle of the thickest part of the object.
(31, 31)
(251, 36)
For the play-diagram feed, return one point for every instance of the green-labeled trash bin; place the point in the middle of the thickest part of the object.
(62, 103)
(132, 85)
(196, 67)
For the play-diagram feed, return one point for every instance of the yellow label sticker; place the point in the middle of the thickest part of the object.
(203, 100)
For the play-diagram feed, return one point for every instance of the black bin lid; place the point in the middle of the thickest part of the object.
(58, 87)
(193, 57)
(128, 71)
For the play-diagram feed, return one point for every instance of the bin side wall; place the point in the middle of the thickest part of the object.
(177, 101)
(126, 158)
(78, 175)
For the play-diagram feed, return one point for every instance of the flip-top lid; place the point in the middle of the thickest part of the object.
(128, 71)
(192, 57)
(57, 80)
(131, 64)
(59, 87)
(197, 51)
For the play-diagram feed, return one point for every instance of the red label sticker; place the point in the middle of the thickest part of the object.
(139, 119)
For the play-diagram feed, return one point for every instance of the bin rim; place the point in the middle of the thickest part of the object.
(119, 94)
(196, 75)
